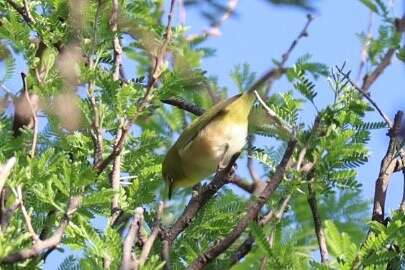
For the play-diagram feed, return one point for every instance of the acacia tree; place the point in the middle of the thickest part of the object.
(82, 151)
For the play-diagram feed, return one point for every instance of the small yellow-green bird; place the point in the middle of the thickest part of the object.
(209, 141)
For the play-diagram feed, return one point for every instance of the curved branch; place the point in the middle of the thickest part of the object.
(42, 245)
(252, 212)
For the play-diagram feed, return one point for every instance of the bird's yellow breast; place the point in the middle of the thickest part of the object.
(216, 143)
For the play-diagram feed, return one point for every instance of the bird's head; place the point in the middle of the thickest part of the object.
(171, 171)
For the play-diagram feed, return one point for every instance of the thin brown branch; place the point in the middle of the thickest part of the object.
(155, 74)
(27, 11)
(22, 11)
(184, 105)
(115, 183)
(275, 73)
(151, 239)
(237, 180)
(371, 77)
(5, 171)
(116, 40)
(302, 34)
(129, 260)
(273, 115)
(215, 29)
(161, 55)
(116, 168)
(402, 205)
(42, 245)
(252, 212)
(366, 45)
(117, 148)
(96, 124)
(34, 115)
(319, 231)
(269, 76)
(27, 217)
(386, 169)
(97, 131)
(271, 216)
(197, 201)
(276, 215)
(367, 96)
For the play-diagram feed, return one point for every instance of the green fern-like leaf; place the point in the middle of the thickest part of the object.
(261, 238)
(69, 263)
(371, 125)
(9, 68)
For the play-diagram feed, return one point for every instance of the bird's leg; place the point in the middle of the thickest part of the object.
(222, 163)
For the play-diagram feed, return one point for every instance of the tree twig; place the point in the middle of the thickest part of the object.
(214, 30)
(367, 96)
(27, 11)
(252, 212)
(42, 245)
(147, 246)
(34, 115)
(371, 77)
(27, 217)
(22, 11)
(366, 45)
(275, 73)
(386, 169)
(5, 171)
(271, 216)
(246, 246)
(116, 40)
(155, 74)
(129, 260)
(402, 205)
(197, 201)
(319, 231)
(184, 105)
(238, 181)
(97, 131)
(273, 115)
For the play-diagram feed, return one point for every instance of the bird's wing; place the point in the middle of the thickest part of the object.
(199, 123)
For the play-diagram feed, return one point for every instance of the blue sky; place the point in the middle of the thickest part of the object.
(262, 32)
